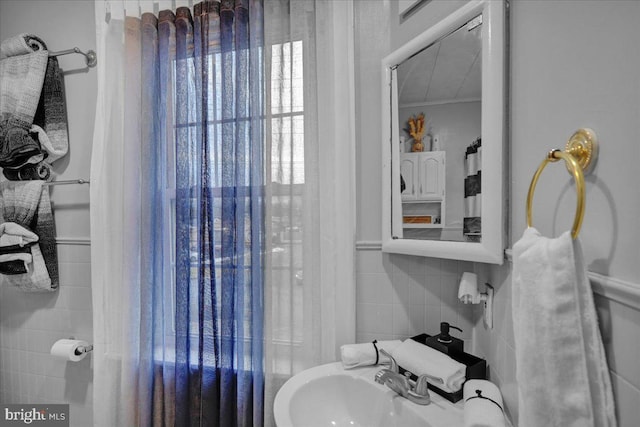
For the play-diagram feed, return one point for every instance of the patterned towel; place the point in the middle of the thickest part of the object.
(51, 114)
(39, 171)
(26, 204)
(15, 248)
(20, 45)
(23, 62)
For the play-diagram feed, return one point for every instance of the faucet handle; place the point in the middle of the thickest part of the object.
(422, 383)
(394, 364)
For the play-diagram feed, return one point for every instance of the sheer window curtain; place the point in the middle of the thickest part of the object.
(308, 293)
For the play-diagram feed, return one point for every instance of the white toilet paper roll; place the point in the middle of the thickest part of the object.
(66, 349)
(483, 406)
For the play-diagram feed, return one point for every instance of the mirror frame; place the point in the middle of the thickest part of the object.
(493, 123)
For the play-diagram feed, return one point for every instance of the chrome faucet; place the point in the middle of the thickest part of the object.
(416, 391)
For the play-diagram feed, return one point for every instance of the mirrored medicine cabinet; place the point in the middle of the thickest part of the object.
(443, 138)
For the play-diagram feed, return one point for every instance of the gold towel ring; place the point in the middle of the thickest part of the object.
(579, 155)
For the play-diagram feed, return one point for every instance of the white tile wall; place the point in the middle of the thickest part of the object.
(627, 401)
(31, 323)
(400, 296)
(497, 345)
(619, 328)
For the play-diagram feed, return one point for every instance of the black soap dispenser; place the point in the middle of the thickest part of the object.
(444, 342)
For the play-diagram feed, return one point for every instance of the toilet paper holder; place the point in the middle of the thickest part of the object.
(83, 349)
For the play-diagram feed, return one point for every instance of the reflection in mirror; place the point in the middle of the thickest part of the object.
(439, 91)
(443, 146)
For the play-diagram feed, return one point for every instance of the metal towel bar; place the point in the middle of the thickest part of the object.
(67, 182)
(90, 56)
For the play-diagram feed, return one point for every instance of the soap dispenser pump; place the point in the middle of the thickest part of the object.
(444, 342)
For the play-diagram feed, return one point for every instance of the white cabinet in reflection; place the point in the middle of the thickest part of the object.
(423, 174)
(423, 198)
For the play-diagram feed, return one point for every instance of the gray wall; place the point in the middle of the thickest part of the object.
(31, 323)
(396, 296)
(564, 76)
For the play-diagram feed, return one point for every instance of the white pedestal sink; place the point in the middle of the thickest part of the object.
(329, 395)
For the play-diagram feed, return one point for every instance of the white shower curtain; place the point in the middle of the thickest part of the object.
(309, 295)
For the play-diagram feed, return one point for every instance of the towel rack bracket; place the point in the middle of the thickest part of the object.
(580, 157)
(583, 146)
(90, 56)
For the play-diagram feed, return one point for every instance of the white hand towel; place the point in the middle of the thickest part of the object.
(561, 369)
(354, 355)
(483, 406)
(15, 251)
(420, 359)
(14, 234)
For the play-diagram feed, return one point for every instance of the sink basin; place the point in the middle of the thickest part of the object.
(329, 395)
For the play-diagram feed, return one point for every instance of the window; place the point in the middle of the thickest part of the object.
(287, 179)
(285, 128)
(287, 113)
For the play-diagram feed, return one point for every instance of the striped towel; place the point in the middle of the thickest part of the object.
(27, 204)
(50, 121)
(15, 248)
(23, 62)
